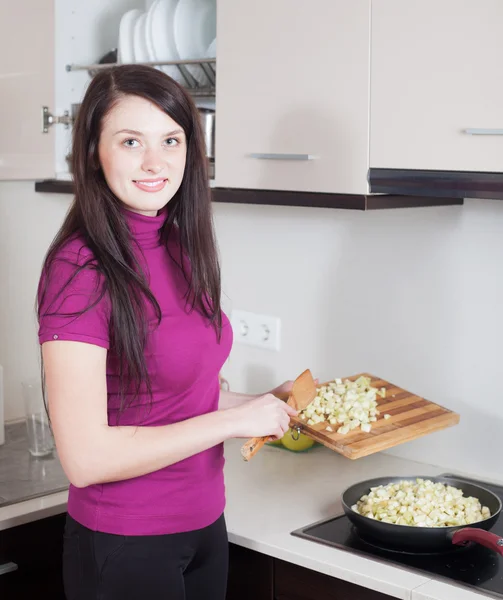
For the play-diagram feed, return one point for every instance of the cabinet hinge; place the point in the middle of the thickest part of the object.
(49, 119)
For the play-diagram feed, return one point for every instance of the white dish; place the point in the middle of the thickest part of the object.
(195, 27)
(126, 33)
(141, 54)
(161, 31)
(148, 31)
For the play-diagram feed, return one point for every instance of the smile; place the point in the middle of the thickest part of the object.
(150, 185)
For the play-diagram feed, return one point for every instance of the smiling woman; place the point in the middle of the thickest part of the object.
(133, 339)
(121, 145)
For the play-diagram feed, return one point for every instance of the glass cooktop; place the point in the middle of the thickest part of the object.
(474, 567)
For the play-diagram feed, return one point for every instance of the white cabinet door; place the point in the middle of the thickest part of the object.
(26, 84)
(437, 85)
(293, 95)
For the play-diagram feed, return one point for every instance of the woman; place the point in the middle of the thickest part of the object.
(133, 339)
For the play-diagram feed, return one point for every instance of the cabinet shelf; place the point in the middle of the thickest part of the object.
(286, 198)
(208, 65)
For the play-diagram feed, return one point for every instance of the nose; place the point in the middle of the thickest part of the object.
(152, 161)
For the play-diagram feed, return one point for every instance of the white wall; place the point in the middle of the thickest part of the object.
(28, 222)
(413, 296)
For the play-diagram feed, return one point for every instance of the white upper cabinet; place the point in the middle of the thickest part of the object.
(437, 85)
(309, 95)
(26, 84)
(293, 95)
(46, 43)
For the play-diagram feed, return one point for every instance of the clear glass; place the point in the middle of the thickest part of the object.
(40, 440)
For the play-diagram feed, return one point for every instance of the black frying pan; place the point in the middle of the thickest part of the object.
(425, 539)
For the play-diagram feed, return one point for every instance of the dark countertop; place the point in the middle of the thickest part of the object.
(22, 476)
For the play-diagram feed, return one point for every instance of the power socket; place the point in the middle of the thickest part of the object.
(262, 331)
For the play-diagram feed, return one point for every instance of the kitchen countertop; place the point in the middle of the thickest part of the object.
(23, 476)
(280, 491)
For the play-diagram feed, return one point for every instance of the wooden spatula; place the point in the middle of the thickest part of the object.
(302, 394)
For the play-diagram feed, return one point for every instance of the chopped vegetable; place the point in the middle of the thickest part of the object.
(350, 404)
(421, 503)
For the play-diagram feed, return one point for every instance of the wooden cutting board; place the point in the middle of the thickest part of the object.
(411, 417)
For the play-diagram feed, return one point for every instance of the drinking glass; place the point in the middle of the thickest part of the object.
(40, 440)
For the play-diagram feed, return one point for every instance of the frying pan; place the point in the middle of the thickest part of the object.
(425, 539)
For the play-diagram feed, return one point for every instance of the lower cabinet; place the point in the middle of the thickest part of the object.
(36, 548)
(296, 583)
(251, 575)
(255, 576)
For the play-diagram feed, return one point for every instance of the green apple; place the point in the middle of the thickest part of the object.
(296, 441)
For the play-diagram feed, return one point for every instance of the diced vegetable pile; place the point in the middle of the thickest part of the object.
(421, 503)
(350, 404)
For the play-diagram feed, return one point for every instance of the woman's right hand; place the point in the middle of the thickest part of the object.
(263, 416)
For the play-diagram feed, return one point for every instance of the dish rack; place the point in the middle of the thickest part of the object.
(208, 65)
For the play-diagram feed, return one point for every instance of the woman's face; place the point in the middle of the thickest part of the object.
(142, 152)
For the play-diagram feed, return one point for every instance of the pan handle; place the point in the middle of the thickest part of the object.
(480, 536)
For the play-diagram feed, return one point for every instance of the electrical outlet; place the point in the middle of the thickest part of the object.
(262, 331)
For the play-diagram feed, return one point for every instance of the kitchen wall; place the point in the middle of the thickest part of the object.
(413, 296)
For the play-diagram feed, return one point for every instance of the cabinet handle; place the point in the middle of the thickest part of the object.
(7, 568)
(479, 131)
(279, 156)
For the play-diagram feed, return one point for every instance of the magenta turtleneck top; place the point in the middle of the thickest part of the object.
(184, 359)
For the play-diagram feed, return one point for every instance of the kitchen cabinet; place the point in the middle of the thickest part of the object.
(253, 575)
(292, 89)
(26, 83)
(297, 583)
(49, 42)
(292, 95)
(436, 85)
(36, 550)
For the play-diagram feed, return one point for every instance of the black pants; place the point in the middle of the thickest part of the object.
(179, 566)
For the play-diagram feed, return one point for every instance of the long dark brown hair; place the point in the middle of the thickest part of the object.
(96, 217)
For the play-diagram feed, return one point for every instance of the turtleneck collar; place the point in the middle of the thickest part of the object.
(145, 229)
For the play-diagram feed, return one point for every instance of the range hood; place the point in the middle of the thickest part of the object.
(452, 184)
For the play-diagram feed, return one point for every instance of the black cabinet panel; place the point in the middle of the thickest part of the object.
(36, 548)
(250, 575)
(297, 583)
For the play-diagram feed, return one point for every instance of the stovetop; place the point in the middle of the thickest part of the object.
(474, 567)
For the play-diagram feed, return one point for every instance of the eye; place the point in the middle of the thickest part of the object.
(172, 141)
(130, 143)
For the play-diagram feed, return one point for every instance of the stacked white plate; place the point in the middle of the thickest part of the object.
(140, 46)
(126, 36)
(195, 28)
(160, 20)
(170, 30)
